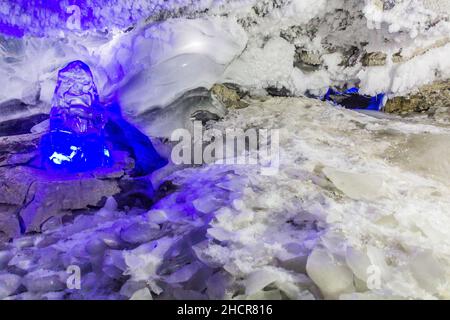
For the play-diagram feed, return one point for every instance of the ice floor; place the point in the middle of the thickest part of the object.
(357, 210)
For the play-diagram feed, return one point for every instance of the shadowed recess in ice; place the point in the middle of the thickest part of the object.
(351, 99)
(76, 140)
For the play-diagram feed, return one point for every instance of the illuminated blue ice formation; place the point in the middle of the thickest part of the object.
(352, 99)
(76, 140)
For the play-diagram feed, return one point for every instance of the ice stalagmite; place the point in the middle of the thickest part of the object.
(77, 119)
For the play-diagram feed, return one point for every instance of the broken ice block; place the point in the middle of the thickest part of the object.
(351, 99)
(77, 119)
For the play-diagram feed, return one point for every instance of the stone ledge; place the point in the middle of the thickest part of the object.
(428, 98)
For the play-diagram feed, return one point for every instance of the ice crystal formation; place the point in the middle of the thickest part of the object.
(76, 140)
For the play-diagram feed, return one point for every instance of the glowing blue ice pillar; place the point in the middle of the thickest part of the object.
(76, 140)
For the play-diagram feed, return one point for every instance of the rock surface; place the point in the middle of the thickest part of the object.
(33, 199)
(31, 196)
(430, 99)
(372, 59)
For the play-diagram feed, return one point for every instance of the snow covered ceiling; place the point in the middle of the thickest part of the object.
(304, 46)
(39, 17)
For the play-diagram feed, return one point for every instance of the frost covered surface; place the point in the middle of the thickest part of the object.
(347, 204)
(302, 45)
(43, 17)
(143, 69)
(335, 35)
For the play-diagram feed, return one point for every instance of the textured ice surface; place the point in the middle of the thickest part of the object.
(8, 284)
(345, 217)
(372, 215)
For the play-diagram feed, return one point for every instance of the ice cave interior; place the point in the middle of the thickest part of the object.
(224, 149)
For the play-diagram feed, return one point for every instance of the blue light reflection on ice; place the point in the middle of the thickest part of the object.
(83, 132)
(76, 140)
(352, 99)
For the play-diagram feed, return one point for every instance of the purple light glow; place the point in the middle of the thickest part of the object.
(83, 132)
(38, 17)
(44, 15)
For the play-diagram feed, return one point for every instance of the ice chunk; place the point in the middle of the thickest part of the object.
(143, 261)
(142, 294)
(258, 280)
(332, 277)
(111, 239)
(184, 274)
(23, 261)
(358, 186)
(428, 271)
(157, 216)
(5, 257)
(217, 284)
(9, 283)
(207, 203)
(426, 154)
(59, 295)
(24, 242)
(359, 262)
(293, 258)
(130, 287)
(43, 281)
(95, 247)
(266, 295)
(115, 258)
(220, 234)
(140, 232)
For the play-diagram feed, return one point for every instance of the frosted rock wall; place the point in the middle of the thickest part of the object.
(299, 46)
